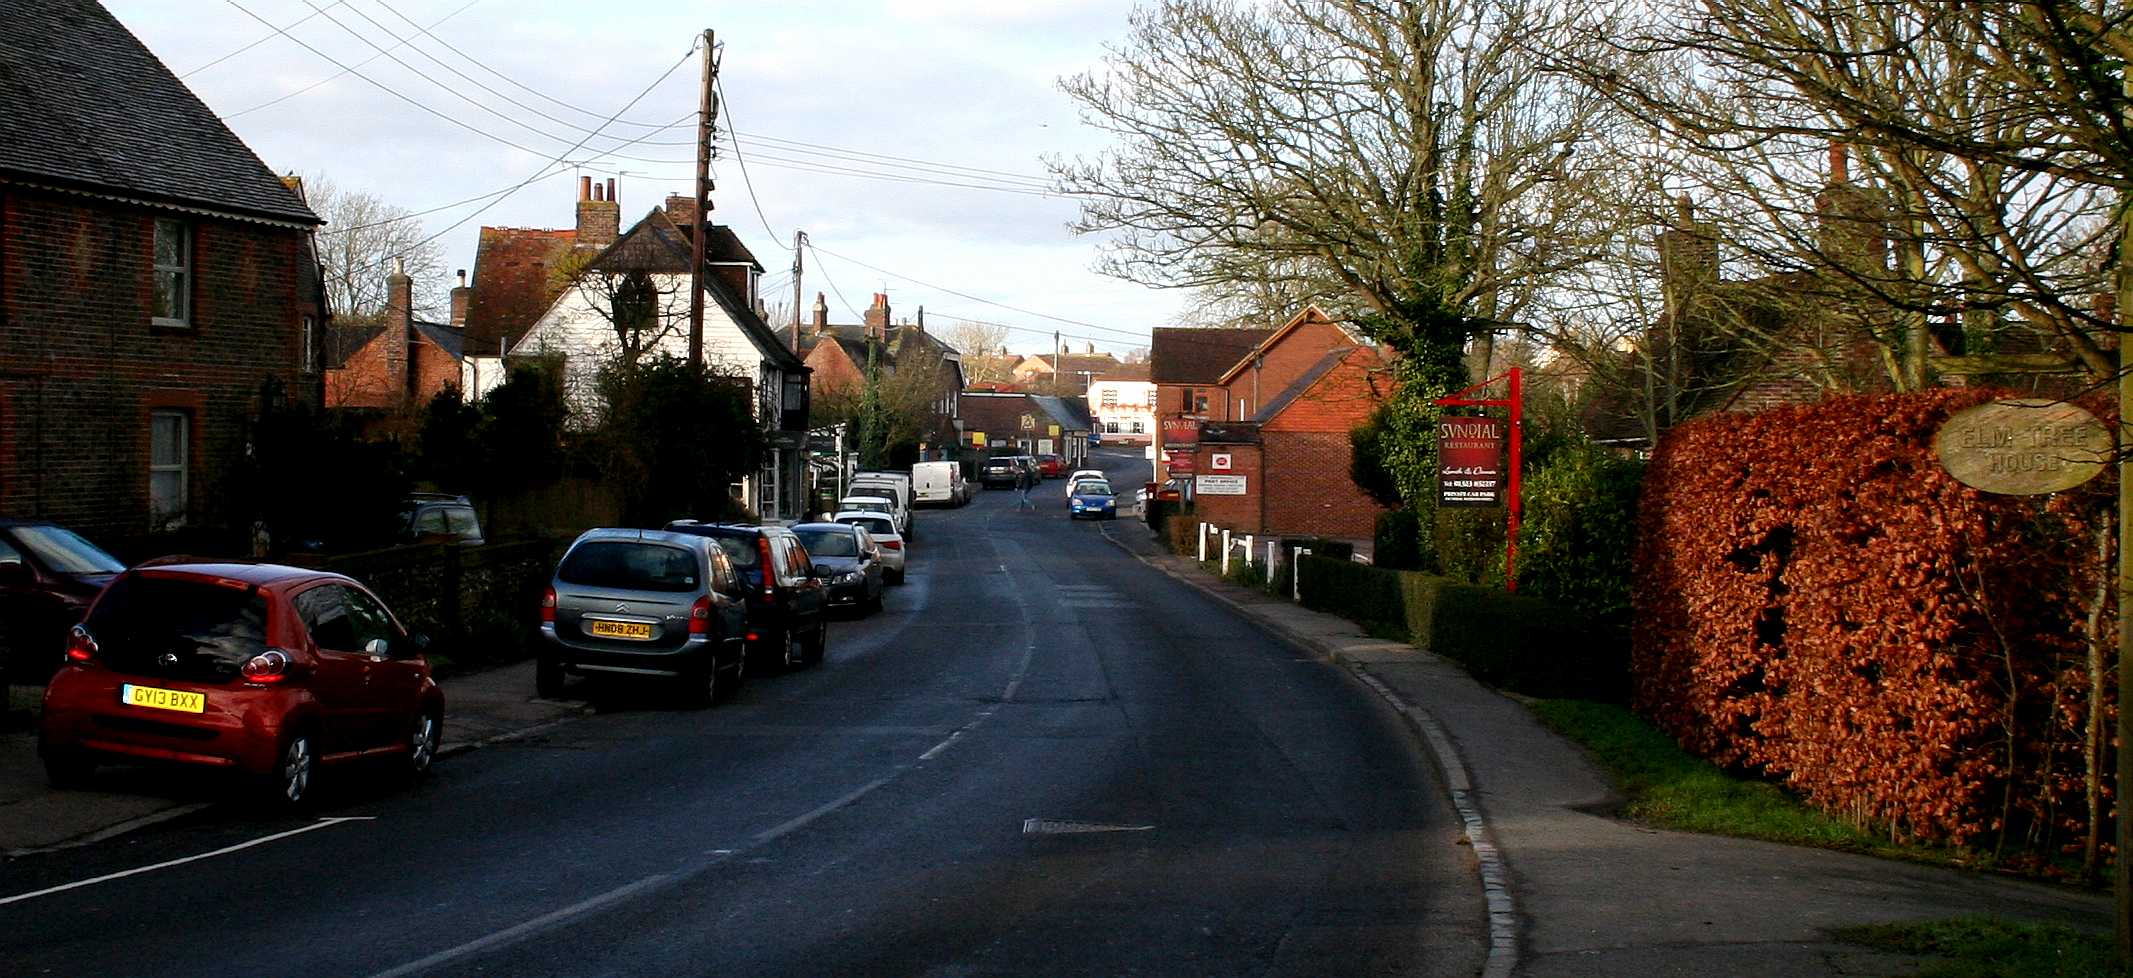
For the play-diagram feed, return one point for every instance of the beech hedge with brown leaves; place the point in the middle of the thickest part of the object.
(1816, 600)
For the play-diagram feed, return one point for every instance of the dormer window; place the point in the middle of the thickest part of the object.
(173, 273)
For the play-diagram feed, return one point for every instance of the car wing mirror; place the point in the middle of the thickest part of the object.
(376, 647)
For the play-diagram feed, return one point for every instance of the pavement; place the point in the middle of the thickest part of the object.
(480, 708)
(1574, 892)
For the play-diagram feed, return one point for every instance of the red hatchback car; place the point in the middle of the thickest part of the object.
(1051, 466)
(266, 670)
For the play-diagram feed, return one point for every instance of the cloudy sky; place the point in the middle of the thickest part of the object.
(915, 94)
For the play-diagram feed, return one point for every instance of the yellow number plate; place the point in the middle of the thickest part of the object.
(620, 629)
(162, 699)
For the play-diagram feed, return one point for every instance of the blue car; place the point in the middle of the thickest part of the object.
(1092, 499)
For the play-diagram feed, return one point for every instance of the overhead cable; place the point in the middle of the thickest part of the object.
(262, 39)
(345, 70)
(989, 302)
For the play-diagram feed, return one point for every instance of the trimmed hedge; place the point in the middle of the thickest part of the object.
(1818, 600)
(1513, 641)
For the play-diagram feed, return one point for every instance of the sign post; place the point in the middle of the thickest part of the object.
(1516, 402)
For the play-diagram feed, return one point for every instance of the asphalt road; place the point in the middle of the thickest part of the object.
(1043, 758)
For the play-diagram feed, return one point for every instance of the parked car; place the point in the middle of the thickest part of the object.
(1092, 499)
(431, 517)
(48, 576)
(939, 483)
(846, 556)
(868, 504)
(1051, 466)
(786, 626)
(635, 603)
(886, 494)
(895, 482)
(1085, 475)
(895, 553)
(999, 472)
(272, 671)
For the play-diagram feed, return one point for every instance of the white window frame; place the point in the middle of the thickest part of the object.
(173, 515)
(182, 272)
(309, 357)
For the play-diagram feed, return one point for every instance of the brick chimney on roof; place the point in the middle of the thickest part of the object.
(599, 214)
(461, 296)
(877, 318)
(822, 314)
(681, 210)
(399, 336)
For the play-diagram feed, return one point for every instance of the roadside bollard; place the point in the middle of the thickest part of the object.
(1225, 553)
(1296, 576)
(1203, 543)
(1248, 549)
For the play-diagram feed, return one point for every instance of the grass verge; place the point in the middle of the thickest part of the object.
(1669, 787)
(1988, 947)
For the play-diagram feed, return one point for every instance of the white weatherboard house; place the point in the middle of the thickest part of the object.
(647, 269)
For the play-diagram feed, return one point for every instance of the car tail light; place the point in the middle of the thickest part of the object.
(271, 666)
(700, 616)
(548, 606)
(81, 646)
(754, 637)
(893, 544)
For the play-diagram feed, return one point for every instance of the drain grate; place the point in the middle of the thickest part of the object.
(1056, 826)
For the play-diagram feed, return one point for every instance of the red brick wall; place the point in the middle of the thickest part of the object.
(366, 380)
(1238, 514)
(1287, 360)
(1339, 402)
(434, 370)
(1309, 491)
(80, 365)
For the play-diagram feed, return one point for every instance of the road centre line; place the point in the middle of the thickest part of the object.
(224, 851)
(510, 934)
(795, 824)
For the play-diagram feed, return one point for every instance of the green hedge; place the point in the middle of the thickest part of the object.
(1513, 641)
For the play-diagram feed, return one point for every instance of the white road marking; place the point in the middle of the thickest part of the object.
(510, 934)
(796, 824)
(224, 851)
(1056, 826)
(936, 749)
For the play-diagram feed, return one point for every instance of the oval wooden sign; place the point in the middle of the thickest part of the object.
(2023, 447)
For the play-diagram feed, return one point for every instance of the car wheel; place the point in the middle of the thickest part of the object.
(818, 647)
(65, 769)
(706, 685)
(422, 747)
(289, 785)
(794, 651)
(893, 576)
(547, 678)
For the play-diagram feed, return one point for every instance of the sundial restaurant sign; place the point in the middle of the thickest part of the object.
(1470, 469)
(2023, 447)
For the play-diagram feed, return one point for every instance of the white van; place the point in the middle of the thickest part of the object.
(939, 483)
(896, 482)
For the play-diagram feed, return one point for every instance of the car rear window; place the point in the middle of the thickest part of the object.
(1092, 489)
(631, 566)
(829, 543)
(744, 552)
(875, 525)
(183, 629)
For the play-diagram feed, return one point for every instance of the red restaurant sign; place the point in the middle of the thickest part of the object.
(1181, 431)
(1470, 469)
(1181, 461)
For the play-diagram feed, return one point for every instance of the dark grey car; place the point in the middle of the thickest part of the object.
(644, 603)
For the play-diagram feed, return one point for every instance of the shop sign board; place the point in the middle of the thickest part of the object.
(1181, 431)
(1218, 485)
(1180, 461)
(1470, 468)
(2023, 446)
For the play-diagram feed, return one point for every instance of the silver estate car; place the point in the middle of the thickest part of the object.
(644, 604)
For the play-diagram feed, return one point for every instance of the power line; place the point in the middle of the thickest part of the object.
(799, 145)
(813, 166)
(989, 302)
(1036, 330)
(476, 62)
(727, 105)
(656, 82)
(262, 39)
(345, 70)
(824, 272)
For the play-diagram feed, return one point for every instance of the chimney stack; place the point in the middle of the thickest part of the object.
(399, 330)
(682, 211)
(1839, 163)
(877, 318)
(921, 324)
(599, 214)
(461, 295)
(822, 314)
(1092, 349)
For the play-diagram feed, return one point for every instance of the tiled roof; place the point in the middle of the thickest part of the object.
(1280, 402)
(1128, 372)
(82, 101)
(342, 342)
(1072, 413)
(995, 413)
(451, 341)
(1190, 355)
(513, 283)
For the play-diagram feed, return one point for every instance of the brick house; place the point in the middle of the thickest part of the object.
(1063, 373)
(1186, 365)
(158, 284)
(1284, 471)
(399, 363)
(578, 328)
(838, 354)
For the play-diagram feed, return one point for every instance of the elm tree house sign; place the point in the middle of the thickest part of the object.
(1470, 448)
(2023, 447)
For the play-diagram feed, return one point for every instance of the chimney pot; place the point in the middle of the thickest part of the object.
(1839, 163)
(585, 188)
(462, 278)
(611, 191)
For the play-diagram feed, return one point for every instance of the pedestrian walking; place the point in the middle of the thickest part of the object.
(1022, 479)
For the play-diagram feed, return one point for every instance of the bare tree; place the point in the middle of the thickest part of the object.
(642, 309)
(1972, 159)
(362, 235)
(981, 345)
(1403, 149)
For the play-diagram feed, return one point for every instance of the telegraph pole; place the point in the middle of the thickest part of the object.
(706, 118)
(799, 241)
